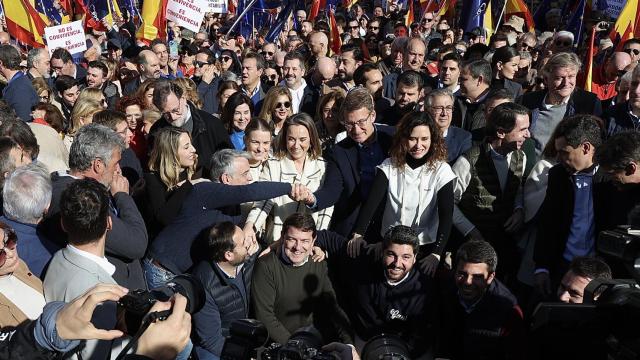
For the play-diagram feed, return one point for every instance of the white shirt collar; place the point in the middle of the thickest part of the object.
(396, 283)
(101, 261)
(564, 102)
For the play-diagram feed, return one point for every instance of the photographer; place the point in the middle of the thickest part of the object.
(61, 327)
(582, 271)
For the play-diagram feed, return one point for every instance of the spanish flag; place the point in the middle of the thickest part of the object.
(628, 24)
(336, 42)
(519, 8)
(410, 15)
(588, 74)
(24, 22)
(154, 21)
(315, 8)
(447, 9)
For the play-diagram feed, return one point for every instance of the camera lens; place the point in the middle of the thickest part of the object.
(385, 346)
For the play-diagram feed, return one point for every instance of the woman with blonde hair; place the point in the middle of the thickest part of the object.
(276, 108)
(297, 160)
(42, 89)
(417, 182)
(327, 121)
(172, 164)
(82, 114)
(94, 94)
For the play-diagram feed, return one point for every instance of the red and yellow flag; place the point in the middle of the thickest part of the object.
(447, 9)
(519, 8)
(588, 68)
(336, 42)
(410, 15)
(24, 22)
(315, 8)
(154, 21)
(628, 24)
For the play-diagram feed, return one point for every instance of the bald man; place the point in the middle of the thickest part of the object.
(5, 39)
(412, 59)
(323, 71)
(606, 75)
(318, 44)
(148, 68)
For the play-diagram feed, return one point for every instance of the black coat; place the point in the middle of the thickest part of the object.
(126, 242)
(617, 119)
(208, 136)
(342, 179)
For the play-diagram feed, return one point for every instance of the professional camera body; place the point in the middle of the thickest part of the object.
(133, 307)
(605, 325)
(303, 344)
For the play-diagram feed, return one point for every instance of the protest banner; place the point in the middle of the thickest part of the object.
(69, 36)
(217, 6)
(187, 13)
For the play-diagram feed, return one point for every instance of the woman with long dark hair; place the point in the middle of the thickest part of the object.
(504, 63)
(236, 116)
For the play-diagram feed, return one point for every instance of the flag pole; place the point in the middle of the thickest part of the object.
(504, 7)
(577, 43)
(235, 23)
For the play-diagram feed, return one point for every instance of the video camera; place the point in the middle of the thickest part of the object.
(605, 325)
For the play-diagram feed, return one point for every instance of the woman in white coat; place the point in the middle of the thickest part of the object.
(417, 183)
(297, 160)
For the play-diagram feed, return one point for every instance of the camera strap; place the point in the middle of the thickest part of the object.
(146, 322)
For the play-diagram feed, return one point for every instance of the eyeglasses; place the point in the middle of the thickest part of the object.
(44, 98)
(630, 51)
(525, 47)
(563, 43)
(285, 104)
(360, 123)
(440, 109)
(56, 67)
(202, 63)
(10, 242)
(225, 58)
(267, 53)
(427, 20)
(353, 27)
(374, 27)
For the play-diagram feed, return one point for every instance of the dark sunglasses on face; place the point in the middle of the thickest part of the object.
(632, 51)
(225, 58)
(10, 242)
(427, 20)
(353, 27)
(201, 63)
(285, 104)
(267, 53)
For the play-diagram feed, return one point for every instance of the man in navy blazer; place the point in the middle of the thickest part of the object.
(439, 103)
(352, 162)
(623, 116)
(62, 63)
(19, 92)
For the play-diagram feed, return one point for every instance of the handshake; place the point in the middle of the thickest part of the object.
(301, 193)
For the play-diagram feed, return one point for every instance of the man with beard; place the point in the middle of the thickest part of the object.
(207, 80)
(482, 319)
(369, 76)
(351, 58)
(302, 96)
(226, 276)
(148, 68)
(489, 190)
(97, 78)
(388, 295)
(573, 202)
(208, 134)
(412, 59)
(560, 99)
(408, 97)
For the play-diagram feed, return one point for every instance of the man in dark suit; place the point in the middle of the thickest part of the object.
(303, 96)
(439, 104)
(208, 134)
(624, 115)
(352, 163)
(475, 79)
(253, 66)
(126, 242)
(573, 203)
(19, 92)
(62, 64)
(561, 98)
(148, 67)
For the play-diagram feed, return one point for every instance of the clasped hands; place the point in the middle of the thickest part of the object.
(299, 192)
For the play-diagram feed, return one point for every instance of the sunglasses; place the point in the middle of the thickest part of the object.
(353, 27)
(285, 105)
(563, 43)
(202, 63)
(10, 242)
(427, 20)
(374, 27)
(526, 47)
(267, 53)
(273, 77)
(225, 58)
(630, 51)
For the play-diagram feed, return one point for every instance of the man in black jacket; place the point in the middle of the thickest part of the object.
(569, 213)
(95, 153)
(208, 134)
(390, 296)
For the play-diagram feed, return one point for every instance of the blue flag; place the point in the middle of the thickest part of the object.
(472, 15)
(46, 8)
(576, 24)
(277, 27)
(539, 16)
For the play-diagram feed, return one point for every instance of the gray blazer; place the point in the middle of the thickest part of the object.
(71, 275)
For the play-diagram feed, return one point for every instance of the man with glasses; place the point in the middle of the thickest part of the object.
(268, 51)
(352, 163)
(562, 42)
(605, 76)
(353, 28)
(208, 134)
(206, 80)
(62, 64)
(439, 104)
(426, 27)
(632, 47)
(373, 27)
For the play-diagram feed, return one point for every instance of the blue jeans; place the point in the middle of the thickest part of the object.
(156, 277)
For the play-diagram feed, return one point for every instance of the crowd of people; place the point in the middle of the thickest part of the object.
(422, 182)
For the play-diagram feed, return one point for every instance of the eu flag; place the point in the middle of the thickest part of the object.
(472, 15)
